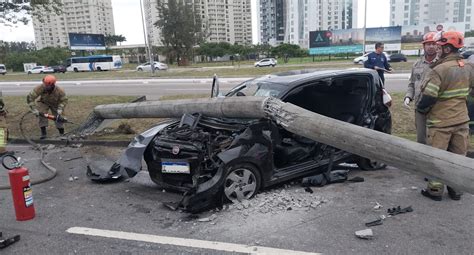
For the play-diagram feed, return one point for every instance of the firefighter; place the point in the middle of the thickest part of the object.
(419, 70)
(45, 97)
(3, 128)
(444, 94)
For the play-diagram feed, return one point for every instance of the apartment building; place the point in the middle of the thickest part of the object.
(78, 16)
(289, 21)
(224, 20)
(414, 12)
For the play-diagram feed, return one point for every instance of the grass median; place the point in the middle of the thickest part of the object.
(80, 107)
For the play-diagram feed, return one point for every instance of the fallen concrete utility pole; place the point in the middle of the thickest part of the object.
(454, 170)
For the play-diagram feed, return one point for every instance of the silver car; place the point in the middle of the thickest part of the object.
(3, 69)
(41, 69)
(266, 62)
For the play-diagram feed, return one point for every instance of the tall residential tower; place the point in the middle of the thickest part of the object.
(289, 21)
(225, 20)
(78, 16)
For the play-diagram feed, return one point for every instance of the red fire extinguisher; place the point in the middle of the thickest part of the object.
(21, 188)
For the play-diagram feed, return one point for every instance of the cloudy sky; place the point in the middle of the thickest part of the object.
(128, 23)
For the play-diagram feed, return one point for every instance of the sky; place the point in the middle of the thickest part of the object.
(127, 19)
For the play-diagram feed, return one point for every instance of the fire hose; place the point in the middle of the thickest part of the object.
(51, 169)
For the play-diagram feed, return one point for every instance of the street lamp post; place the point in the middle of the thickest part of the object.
(147, 45)
(365, 25)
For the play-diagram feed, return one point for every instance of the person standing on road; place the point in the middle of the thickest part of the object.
(45, 97)
(378, 61)
(444, 94)
(418, 72)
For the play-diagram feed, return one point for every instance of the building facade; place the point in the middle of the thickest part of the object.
(289, 21)
(223, 20)
(414, 12)
(78, 16)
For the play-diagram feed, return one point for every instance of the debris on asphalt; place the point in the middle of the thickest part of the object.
(365, 234)
(278, 201)
(8, 241)
(374, 223)
(76, 145)
(377, 206)
(49, 147)
(308, 189)
(70, 159)
(414, 188)
(397, 210)
(71, 179)
(76, 178)
(208, 219)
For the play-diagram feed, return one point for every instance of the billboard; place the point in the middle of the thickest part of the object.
(338, 41)
(389, 36)
(86, 41)
(413, 35)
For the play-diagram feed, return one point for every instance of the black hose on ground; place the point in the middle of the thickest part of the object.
(38, 147)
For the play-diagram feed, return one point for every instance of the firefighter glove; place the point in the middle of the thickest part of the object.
(35, 112)
(406, 102)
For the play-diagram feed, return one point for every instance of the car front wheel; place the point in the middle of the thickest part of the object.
(370, 165)
(242, 182)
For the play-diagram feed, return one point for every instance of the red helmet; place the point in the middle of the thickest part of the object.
(428, 37)
(455, 38)
(49, 80)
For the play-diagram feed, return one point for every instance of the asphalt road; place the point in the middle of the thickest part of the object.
(81, 217)
(155, 88)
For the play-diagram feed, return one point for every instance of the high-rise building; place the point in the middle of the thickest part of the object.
(289, 21)
(78, 16)
(225, 20)
(414, 12)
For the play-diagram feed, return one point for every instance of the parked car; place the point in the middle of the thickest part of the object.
(360, 60)
(266, 62)
(3, 69)
(147, 66)
(59, 69)
(397, 57)
(211, 159)
(41, 69)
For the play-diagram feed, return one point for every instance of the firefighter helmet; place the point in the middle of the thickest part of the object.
(428, 37)
(49, 80)
(456, 39)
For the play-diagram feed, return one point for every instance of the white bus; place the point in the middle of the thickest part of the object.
(94, 63)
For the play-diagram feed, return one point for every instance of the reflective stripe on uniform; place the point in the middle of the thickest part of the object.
(430, 123)
(454, 93)
(432, 89)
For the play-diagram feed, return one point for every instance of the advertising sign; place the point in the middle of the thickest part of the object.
(338, 41)
(389, 36)
(319, 38)
(86, 41)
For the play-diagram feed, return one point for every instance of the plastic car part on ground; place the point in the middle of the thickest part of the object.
(8, 241)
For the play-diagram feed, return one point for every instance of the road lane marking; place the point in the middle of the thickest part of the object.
(186, 89)
(193, 243)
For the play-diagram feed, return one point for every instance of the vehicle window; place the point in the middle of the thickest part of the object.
(2, 67)
(258, 88)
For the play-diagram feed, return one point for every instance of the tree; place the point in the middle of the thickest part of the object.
(214, 50)
(287, 50)
(181, 28)
(14, 11)
(46, 56)
(112, 40)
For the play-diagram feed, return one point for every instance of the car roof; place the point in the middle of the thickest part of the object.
(297, 77)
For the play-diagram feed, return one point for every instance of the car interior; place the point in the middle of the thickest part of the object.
(340, 98)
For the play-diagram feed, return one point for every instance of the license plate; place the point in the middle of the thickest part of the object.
(175, 167)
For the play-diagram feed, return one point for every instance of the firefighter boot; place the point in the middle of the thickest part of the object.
(453, 194)
(61, 133)
(434, 190)
(43, 133)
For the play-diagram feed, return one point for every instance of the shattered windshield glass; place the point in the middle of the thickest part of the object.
(257, 88)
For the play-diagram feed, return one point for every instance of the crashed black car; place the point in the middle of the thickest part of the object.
(212, 160)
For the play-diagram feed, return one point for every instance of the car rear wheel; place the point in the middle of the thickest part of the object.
(76, 70)
(99, 68)
(242, 182)
(140, 69)
(360, 62)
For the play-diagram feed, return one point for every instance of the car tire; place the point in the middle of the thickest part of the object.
(361, 62)
(370, 165)
(242, 182)
(140, 70)
(76, 70)
(99, 69)
(29, 73)
(157, 69)
(273, 65)
(41, 72)
(257, 66)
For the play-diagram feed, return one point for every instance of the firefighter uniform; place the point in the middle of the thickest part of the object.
(418, 73)
(42, 100)
(444, 93)
(3, 126)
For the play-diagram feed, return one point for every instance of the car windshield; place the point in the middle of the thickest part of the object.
(259, 88)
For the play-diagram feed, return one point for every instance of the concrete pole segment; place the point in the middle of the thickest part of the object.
(455, 170)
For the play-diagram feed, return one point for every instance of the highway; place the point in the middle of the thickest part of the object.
(155, 88)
